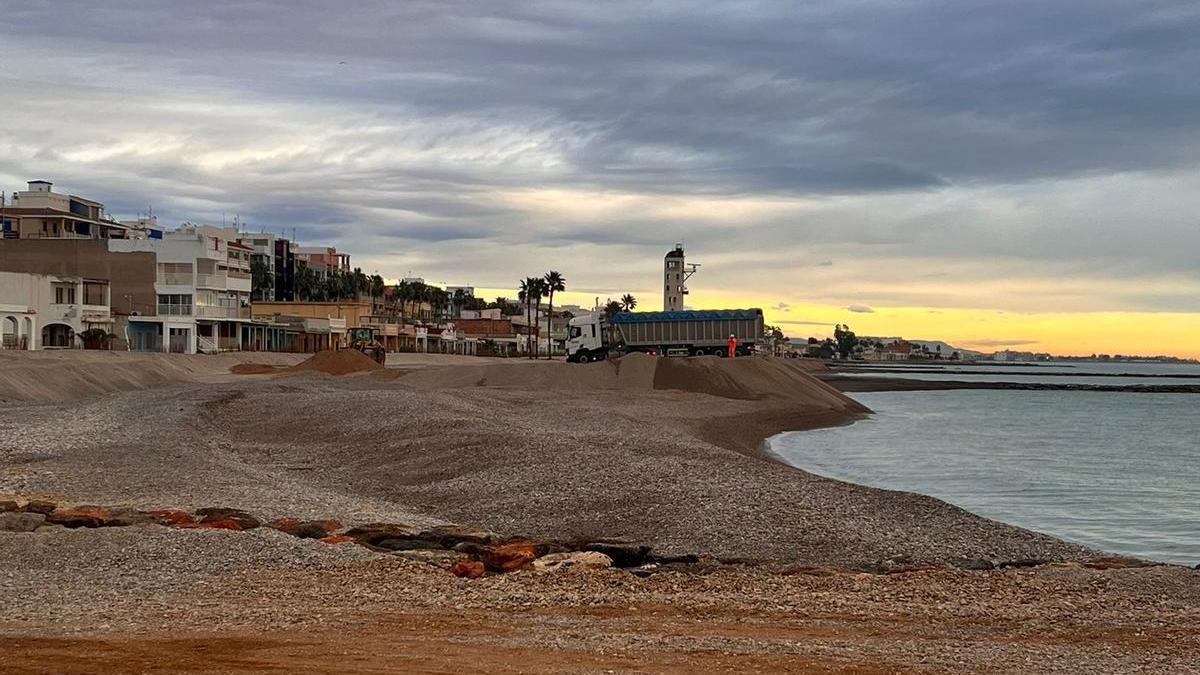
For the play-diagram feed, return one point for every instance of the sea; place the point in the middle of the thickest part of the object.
(1116, 471)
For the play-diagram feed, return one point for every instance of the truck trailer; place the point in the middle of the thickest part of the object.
(680, 333)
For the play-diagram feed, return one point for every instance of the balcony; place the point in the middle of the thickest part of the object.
(211, 281)
(210, 312)
(175, 279)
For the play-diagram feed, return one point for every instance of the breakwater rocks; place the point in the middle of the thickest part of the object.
(461, 550)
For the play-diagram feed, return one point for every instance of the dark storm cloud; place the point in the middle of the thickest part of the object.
(962, 130)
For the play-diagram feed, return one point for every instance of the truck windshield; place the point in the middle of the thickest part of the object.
(574, 331)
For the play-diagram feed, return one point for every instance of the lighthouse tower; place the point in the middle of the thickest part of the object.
(675, 276)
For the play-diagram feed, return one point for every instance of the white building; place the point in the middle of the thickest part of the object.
(45, 311)
(203, 287)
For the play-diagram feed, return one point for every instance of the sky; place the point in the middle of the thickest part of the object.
(1010, 174)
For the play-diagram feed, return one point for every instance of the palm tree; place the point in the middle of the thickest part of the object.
(628, 302)
(458, 300)
(554, 282)
(524, 293)
(611, 308)
(539, 291)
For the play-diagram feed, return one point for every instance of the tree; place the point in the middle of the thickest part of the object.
(846, 340)
(628, 302)
(538, 291)
(554, 282)
(262, 282)
(612, 308)
(376, 286)
(525, 294)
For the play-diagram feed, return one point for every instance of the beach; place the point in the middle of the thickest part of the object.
(762, 566)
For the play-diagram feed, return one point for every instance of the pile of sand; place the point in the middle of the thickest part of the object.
(253, 369)
(55, 375)
(340, 362)
(743, 378)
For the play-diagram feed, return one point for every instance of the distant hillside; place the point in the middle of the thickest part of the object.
(932, 345)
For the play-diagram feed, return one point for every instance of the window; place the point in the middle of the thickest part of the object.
(672, 264)
(175, 305)
(95, 293)
(64, 294)
(667, 288)
(574, 332)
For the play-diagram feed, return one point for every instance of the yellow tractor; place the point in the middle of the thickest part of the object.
(364, 340)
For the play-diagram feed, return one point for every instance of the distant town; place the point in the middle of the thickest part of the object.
(72, 276)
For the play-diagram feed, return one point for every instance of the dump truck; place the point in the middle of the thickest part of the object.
(592, 337)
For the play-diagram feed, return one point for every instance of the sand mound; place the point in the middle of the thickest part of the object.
(72, 374)
(253, 369)
(745, 378)
(340, 362)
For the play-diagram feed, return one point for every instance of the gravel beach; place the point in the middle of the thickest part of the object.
(669, 457)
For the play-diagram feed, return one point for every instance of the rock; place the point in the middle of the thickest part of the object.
(338, 539)
(512, 556)
(127, 517)
(81, 516)
(39, 506)
(171, 517)
(622, 554)
(685, 559)
(472, 569)
(1022, 562)
(577, 560)
(305, 529)
(226, 519)
(7, 505)
(441, 559)
(408, 544)
(450, 536)
(11, 521)
(376, 532)
(973, 564)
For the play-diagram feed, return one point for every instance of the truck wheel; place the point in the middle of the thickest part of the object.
(581, 356)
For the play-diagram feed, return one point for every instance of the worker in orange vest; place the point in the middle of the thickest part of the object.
(732, 345)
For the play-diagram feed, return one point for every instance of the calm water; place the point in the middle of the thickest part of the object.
(1049, 372)
(1116, 471)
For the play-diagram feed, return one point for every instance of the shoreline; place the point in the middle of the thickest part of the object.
(858, 384)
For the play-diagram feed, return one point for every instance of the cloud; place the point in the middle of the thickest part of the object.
(782, 307)
(861, 309)
(950, 156)
(804, 323)
(1000, 343)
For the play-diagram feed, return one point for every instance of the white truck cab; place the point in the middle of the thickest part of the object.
(586, 339)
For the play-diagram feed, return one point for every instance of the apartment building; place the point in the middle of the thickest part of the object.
(278, 256)
(41, 213)
(202, 284)
(45, 311)
(129, 278)
(323, 259)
